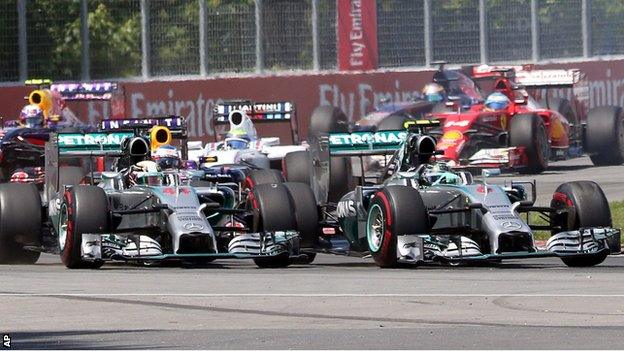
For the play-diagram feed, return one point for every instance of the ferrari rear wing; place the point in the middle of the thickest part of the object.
(529, 77)
(549, 78)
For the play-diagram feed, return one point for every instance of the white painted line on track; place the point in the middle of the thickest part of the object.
(298, 295)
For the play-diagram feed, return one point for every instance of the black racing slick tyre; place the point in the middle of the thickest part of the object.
(327, 119)
(20, 222)
(587, 206)
(339, 178)
(529, 131)
(604, 135)
(84, 210)
(393, 211)
(274, 212)
(263, 176)
(297, 167)
(306, 212)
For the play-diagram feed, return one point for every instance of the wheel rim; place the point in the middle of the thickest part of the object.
(375, 228)
(62, 233)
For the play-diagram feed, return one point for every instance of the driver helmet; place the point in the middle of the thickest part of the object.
(237, 139)
(497, 101)
(439, 174)
(434, 92)
(147, 173)
(31, 116)
(167, 157)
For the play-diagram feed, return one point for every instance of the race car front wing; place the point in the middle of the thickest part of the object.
(134, 247)
(417, 249)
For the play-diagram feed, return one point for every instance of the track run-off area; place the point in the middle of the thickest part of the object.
(335, 303)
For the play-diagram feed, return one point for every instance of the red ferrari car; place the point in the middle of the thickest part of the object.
(528, 133)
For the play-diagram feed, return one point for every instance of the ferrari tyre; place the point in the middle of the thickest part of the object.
(604, 135)
(393, 211)
(297, 167)
(306, 212)
(263, 176)
(529, 131)
(84, 210)
(274, 212)
(20, 222)
(587, 206)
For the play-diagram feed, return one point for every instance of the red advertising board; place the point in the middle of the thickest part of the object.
(357, 35)
(356, 93)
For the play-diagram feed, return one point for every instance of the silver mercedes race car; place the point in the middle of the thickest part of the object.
(136, 212)
(420, 211)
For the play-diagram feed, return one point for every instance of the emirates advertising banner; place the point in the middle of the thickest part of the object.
(356, 93)
(357, 35)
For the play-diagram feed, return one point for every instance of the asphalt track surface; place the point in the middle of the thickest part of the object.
(335, 303)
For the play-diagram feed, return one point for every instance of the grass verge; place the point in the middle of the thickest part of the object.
(617, 214)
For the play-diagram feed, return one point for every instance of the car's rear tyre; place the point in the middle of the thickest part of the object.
(587, 206)
(306, 212)
(84, 210)
(393, 211)
(272, 204)
(297, 167)
(327, 119)
(339, 178)
(20, 222)
(263, 176)
(604, 135)
(529, 131)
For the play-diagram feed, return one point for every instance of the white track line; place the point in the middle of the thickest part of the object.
(300, 295)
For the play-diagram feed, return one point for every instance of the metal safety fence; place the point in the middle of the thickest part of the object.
(104, 39)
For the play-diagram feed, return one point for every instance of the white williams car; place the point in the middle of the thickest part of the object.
(241, 144)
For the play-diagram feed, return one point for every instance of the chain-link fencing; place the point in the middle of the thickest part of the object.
(509, 30)
(400, 41)
(560, 29)
(103, 39)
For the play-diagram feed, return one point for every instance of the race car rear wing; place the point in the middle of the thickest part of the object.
(365, 143)
(85, 91)
(375, 143)
(176, 124)
(91, 144)
(257, 111)
(549, 78)
(529, 77)
(142, 126)
(261, 112)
